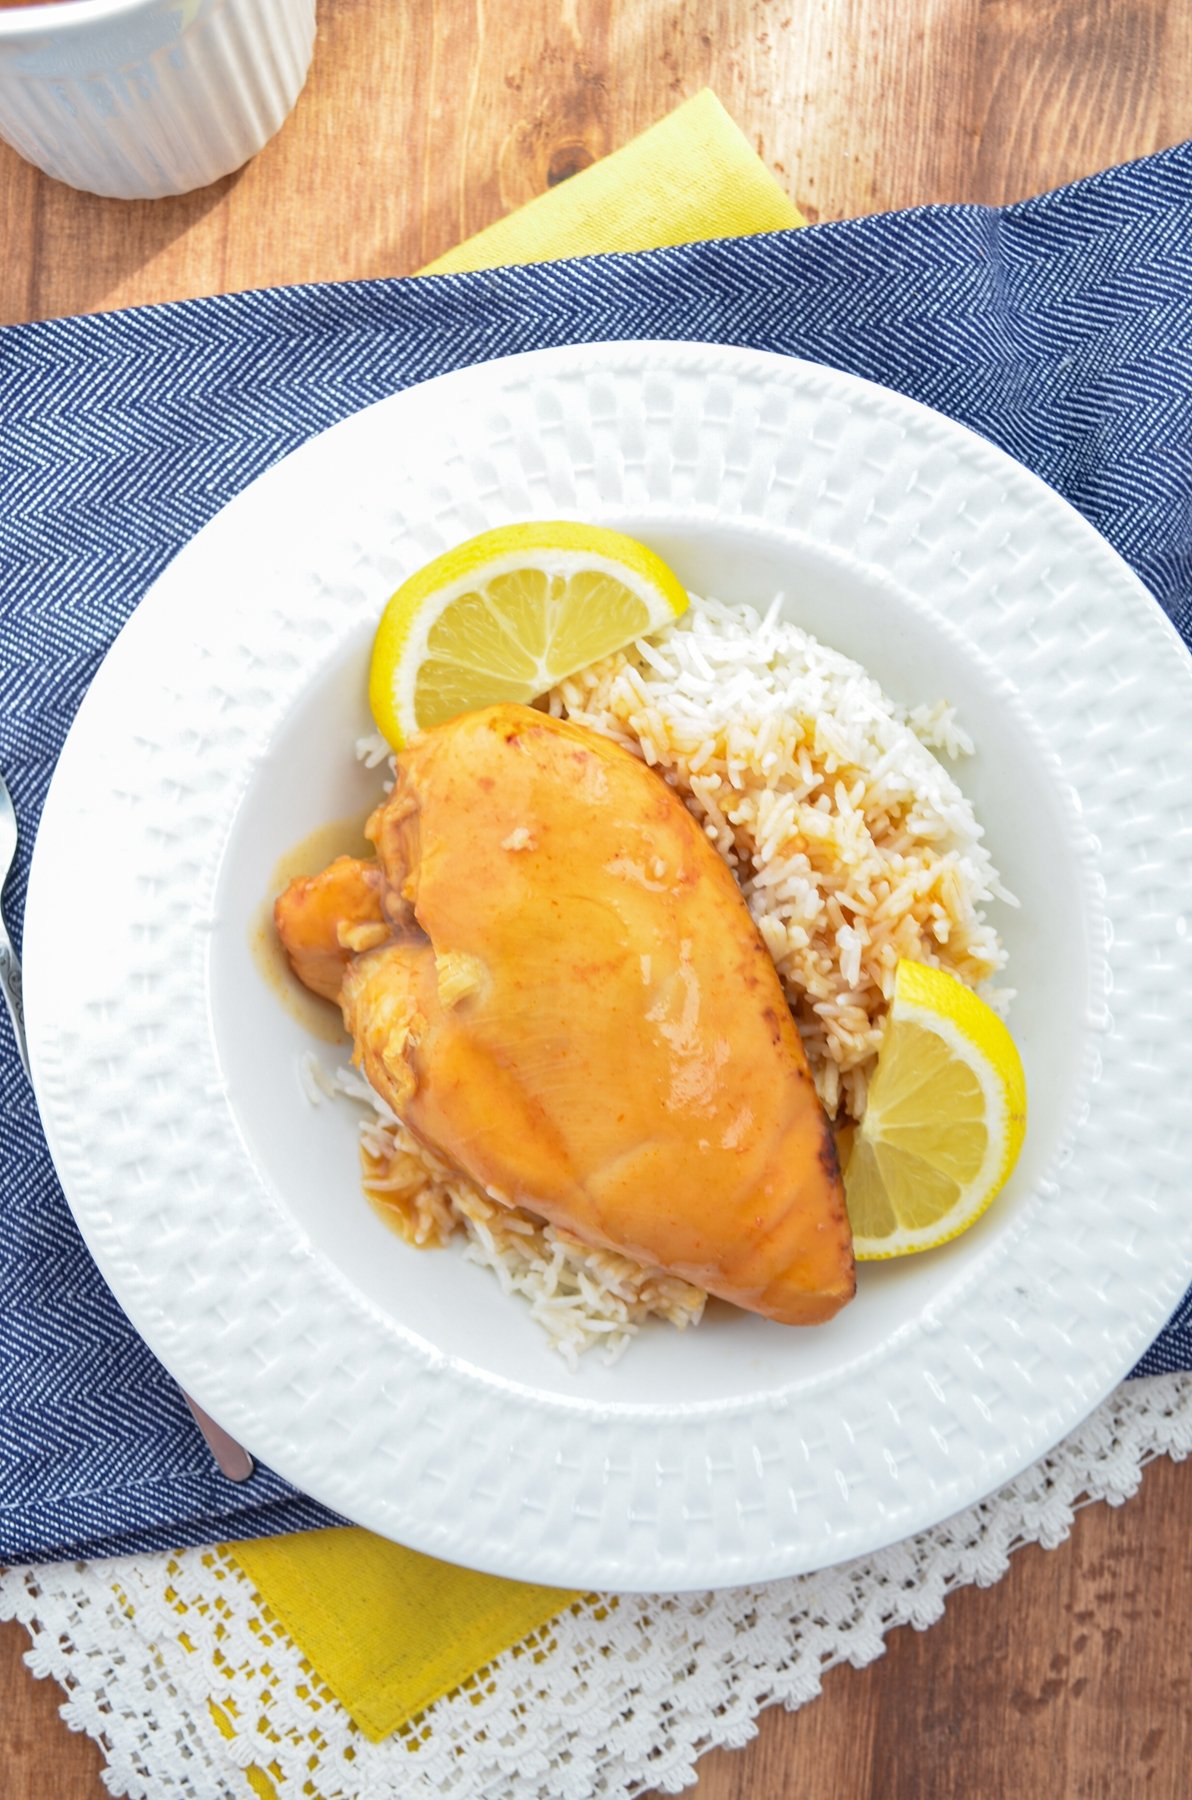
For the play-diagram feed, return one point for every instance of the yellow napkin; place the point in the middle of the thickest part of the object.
(386, 1629)
(691, 176)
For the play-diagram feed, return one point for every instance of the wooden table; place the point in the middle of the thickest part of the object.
(422, 123)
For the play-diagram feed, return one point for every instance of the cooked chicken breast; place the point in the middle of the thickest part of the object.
(574, 1007)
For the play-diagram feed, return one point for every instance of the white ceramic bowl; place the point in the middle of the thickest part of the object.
(136, 99)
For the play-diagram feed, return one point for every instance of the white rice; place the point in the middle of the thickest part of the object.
(853, 847)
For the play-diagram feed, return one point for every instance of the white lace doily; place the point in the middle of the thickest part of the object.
(193, 1693)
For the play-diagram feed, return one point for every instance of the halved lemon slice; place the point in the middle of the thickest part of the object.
(507, 614)
(944, 1121)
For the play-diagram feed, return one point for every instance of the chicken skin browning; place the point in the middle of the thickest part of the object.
(575, 1009)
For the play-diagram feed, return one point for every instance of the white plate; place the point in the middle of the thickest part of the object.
(399, 1386)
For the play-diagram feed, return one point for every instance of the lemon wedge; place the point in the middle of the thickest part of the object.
(509, 613)
(944, 1121)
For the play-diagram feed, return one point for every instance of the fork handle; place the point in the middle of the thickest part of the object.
(231, 1458)
(10, 983)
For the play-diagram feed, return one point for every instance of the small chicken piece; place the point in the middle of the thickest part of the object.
(585, 1020)
(324, 920)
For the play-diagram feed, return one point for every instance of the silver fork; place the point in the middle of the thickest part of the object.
(10, 968)
(230, 1458)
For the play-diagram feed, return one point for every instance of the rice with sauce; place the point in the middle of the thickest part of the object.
(582, 1298)
(853, 846)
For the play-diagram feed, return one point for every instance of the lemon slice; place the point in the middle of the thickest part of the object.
(507, 614)
(944, 1121)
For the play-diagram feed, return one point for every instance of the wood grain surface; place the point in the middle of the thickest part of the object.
(423, 122)
(420, 124)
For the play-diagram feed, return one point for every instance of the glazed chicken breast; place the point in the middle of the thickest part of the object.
(552, 978)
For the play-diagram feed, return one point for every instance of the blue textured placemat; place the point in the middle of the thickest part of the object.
(1060, 328)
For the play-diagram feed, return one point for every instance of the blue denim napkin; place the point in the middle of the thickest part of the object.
(1060, 328)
